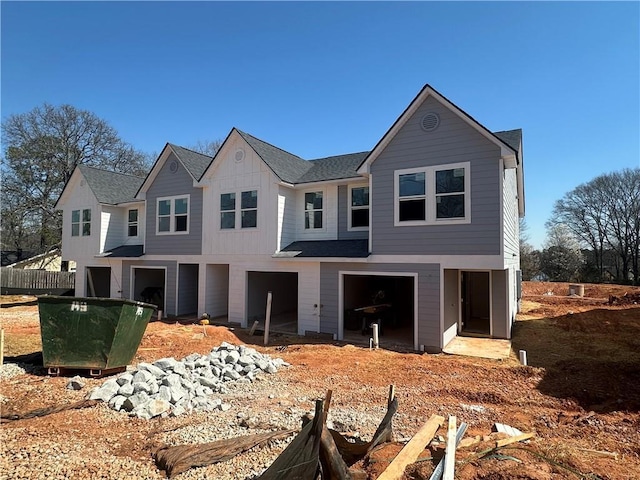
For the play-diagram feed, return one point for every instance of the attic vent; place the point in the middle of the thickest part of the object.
(430, 122)
(239, 155)
(173, 167)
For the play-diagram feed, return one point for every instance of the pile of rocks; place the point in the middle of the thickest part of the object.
(171, 387)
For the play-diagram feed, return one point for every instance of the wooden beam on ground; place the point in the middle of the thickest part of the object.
(267, 320)
(450, 452)
(412, 449)
(253, 327)
(517, 438)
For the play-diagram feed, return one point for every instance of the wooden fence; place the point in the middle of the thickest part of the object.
(15, 281)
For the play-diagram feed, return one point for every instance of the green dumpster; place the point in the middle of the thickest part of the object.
(98, 334)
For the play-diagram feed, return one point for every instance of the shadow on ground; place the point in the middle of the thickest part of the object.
(591, 357)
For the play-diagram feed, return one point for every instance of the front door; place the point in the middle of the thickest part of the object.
(476, 304)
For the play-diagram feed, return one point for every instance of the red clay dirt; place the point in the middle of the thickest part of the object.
(580, 393)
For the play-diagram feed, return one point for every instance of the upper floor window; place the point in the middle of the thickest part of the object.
(173, 215)
(228, 210)
(248, 210)
(313, 210)
(358, 208)
(81, 222)
(132, 224)
(431, 195)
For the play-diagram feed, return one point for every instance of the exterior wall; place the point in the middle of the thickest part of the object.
(80, 197)
(112, 230)
(511, 219)
(451, 303)
(308, 289)
(329, 230)
(167, 184)
(231, 176)
(138, 239)
(500, 321)
(452, 142)
(216, 290)
(343, 216)
(171, 275)
(286, 217)
(427, 303)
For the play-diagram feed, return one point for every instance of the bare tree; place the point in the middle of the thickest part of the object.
(207, 147)
(42, 148)
(529, 256)
(561, 259)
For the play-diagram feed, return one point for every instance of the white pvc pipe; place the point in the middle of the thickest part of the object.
(523, 357)
(376, 341)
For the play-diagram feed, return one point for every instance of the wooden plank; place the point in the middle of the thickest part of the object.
(450, 452)
(515, 439)
(267, 319)
(412, 449)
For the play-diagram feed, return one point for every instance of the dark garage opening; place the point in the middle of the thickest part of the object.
(284, 302)
(386, 300)
(188, 289)
(98, 282)
(149, 286)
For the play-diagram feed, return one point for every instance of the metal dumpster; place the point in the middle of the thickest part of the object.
(101, 335)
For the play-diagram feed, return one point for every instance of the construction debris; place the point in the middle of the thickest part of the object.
(41, 412)
(626, 299)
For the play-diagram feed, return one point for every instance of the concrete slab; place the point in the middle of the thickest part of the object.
(493, 348)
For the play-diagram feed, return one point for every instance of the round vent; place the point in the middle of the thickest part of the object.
(173, 166)
(430, 122)
(239, 155)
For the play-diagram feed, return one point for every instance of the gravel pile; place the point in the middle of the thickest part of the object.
(170, 387)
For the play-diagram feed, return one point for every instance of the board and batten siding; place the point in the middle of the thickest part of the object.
(170, 184)
(428, 301)
(286, 217)
(81, 197)
(171, 274)
(343, 216)
(511, 218)
(453, 141)
(112, 232)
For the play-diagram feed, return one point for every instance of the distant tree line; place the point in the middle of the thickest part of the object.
(41, 149)
(593, 234)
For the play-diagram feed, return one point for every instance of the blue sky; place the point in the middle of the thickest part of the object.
(321, 79)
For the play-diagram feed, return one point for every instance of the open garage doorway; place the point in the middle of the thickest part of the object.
(188, 289)
(149, 285)
(98, 282)
(387, 300)
(284, 300)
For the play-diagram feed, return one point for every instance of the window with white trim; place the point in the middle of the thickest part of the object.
(249, 209)
(358, 208)
(172, 215)
(81, 222)
(132, 223)
(433, 195)
(313, 210)
(227, 211)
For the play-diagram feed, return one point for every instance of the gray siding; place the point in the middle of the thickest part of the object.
(428, 300)
(343, 217)
(171, 275)
(499, 308)
(454, 141)
(187, 289)
(451, 298)
(168, 184)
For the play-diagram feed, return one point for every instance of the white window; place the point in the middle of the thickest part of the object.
(227, 211)
(248, 210)
(358, 208)
(132, 224)
(173, 215)
(81, 223)
(313, 210)
(433, 195)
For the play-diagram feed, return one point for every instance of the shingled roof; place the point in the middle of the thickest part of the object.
(333, 168)
(111, 188)
(196, 163)
(511, 138)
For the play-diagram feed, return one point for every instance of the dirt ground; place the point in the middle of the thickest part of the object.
(580, 393)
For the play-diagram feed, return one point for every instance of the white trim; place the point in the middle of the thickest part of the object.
(130, 223)
(172, 214)
(430, 196)
(132, 283)
(414, 275)
(323, 210)
(350, 207)
(370, 213)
